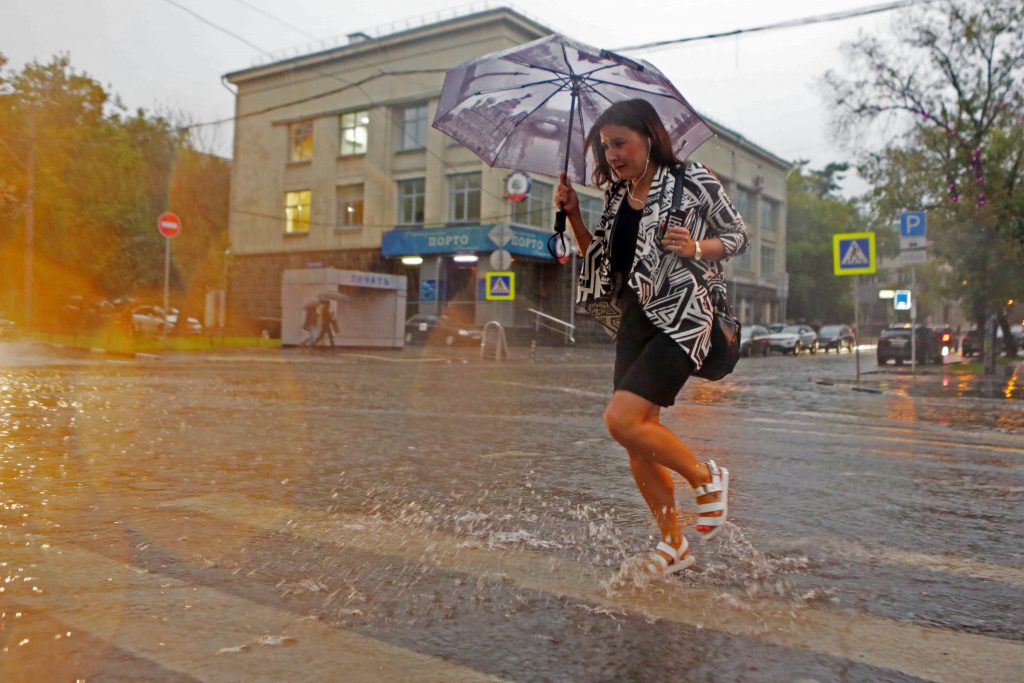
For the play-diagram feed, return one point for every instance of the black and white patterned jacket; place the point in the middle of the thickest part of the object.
(670, 295)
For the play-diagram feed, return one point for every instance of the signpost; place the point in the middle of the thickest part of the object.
(853, 253)
(913, 250)
(169, 226)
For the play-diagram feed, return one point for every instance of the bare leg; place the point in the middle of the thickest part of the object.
(658, 489)
(633, 422)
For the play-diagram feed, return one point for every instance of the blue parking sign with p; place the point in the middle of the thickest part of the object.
(913, 224)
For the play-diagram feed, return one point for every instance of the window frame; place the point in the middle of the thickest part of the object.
(301, 153)
(466, 194)
(765, 249)
(340, 224)
(298, 205)
(420, 197)
(772, 208)
(414, 143)
(536, 205)
(355, 126)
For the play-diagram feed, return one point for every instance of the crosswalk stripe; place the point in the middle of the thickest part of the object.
(926, 652)
(181, 627)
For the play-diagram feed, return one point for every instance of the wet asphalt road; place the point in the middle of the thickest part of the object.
(424, 515)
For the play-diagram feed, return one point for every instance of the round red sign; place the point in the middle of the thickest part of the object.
(168, 224)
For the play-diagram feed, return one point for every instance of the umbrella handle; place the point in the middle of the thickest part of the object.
(560, 221)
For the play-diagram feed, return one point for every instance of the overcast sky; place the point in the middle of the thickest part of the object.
(155, 55)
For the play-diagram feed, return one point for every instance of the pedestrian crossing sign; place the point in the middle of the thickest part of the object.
(501, 286)
(853, 253)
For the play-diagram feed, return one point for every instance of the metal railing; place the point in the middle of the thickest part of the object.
(550, 322)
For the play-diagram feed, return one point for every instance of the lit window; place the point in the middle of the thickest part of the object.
(767, 259)
(410, 201)
(300, 141)
(464, 198)
(296, 212)
(535, 210)
(354, 126)
(350, 206)
(414, 127)
(769, 210)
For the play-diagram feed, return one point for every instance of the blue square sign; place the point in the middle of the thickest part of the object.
(913, 224)
(901, 302)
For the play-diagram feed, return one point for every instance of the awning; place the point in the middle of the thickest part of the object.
(466, 239)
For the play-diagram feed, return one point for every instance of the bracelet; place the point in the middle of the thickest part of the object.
(696, 251)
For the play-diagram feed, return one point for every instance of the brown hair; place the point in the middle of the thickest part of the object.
(638, 115)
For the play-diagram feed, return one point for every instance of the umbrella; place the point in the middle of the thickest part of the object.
(530, 107)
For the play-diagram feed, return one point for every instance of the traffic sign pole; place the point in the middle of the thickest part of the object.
(167, 279)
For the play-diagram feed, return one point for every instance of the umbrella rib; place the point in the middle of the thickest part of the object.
(517, 87)
(633, 87)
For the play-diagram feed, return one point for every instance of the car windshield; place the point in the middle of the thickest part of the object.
(830, 329)
(791, 329)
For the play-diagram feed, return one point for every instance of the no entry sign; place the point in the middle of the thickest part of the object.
(168, 224)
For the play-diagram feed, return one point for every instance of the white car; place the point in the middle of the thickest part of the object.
(149, 320)
(794, 339)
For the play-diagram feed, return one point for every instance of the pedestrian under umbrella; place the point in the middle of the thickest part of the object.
(649, 275)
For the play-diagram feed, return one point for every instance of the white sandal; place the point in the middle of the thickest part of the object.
(657, 565)
(719, 484)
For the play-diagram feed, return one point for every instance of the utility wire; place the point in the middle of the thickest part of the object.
(254, 8)
(218, 28)
(790, 23)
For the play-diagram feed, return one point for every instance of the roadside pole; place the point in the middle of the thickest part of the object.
(856, 323)
(169, 226)
(913, 324)
(853, 253)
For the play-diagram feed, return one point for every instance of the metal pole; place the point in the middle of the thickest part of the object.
(913, 322)
(856, 321)
(30, 218)
(167, 278)
(572, 295)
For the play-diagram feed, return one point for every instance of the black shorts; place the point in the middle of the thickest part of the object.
(648, 362)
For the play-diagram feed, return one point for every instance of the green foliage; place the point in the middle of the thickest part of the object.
(102, 176)
(947, 90)
(816, 212)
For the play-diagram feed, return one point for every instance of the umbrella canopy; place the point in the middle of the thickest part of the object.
(530, 107)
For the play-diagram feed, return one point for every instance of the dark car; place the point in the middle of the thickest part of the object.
(423, 327)
(972, 340)
(754, 341)
(836, 337)
(945, 337)
(895, 344)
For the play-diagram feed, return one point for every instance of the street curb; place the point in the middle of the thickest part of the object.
(95, 350)
(851, 387)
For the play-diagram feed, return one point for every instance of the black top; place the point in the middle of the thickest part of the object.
(624, 232)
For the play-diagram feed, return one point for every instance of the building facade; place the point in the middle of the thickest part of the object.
(336, 165)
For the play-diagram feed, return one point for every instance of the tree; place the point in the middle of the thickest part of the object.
(101, 176)
(816, 212)
(945, 94)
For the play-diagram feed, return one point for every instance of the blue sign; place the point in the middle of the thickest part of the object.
(901, 302)
(913, 224)
(428, 290)
(464, 239)
(853, 253)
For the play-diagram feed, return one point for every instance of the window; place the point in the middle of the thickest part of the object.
(535, 210)
(300, 141)
(769, 210)
(410, 201)
(354, 132)
(744, 202)
(464, 198)
(745, 260)
(767, 259)
(350, 206)
(591, 208)
(414, 127)
(296, 212)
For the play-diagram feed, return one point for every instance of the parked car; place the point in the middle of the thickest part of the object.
(775, 327)
(422, 327)
(972, 340)
(191, 326)
(894, 344)
(945, 337)
(148, 320)
(794, 339)
(754, 341)
(836, 337)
